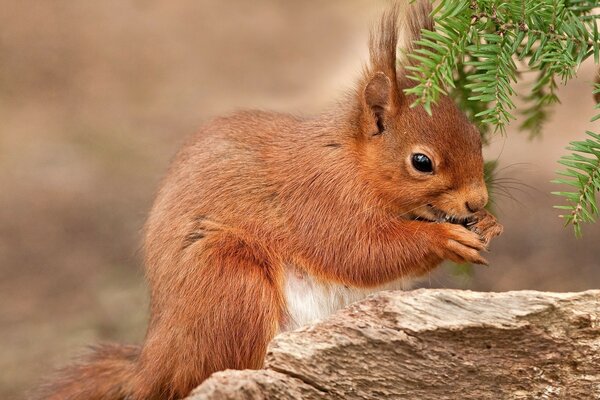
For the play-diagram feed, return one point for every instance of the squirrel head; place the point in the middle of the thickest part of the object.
(421, 166)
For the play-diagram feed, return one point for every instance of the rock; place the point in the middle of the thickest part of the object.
(255, 385)
(441, 344)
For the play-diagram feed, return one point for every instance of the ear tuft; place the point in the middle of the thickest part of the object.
(383, 43)
(416, 16)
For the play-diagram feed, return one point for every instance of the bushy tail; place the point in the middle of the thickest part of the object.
(105, 374)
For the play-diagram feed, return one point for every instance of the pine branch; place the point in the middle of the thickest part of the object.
(437, 55)
(480, 39)
(583, 173)
(491, 82)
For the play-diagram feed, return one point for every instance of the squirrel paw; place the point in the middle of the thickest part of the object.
(486, 226)
(462, 245)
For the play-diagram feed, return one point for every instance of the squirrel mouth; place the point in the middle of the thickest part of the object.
(437, 215)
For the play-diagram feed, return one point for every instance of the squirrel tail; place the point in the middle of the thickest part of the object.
(104, 374)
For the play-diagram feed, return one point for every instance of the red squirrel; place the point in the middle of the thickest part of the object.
(267, 221)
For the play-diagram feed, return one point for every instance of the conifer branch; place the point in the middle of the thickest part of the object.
(583, 173)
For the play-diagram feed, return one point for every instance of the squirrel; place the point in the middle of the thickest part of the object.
(267, 221)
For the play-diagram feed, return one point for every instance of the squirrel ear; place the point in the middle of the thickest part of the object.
(380, 87)
(378, 97)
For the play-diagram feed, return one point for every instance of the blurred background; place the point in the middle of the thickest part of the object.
(95, 97)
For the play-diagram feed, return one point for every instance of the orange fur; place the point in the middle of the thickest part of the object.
(334, 195)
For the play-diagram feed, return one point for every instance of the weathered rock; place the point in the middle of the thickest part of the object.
(441, 344)
(255, 385)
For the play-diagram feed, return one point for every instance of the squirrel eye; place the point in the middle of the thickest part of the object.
(422, 163)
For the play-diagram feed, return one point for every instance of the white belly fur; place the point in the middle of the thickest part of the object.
(309, 299)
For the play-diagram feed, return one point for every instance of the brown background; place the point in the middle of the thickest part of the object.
(95, 98)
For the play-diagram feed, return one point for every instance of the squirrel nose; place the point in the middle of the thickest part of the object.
(476, 204)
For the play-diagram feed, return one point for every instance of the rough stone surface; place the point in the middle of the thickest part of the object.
(441, 344)
(255, 385)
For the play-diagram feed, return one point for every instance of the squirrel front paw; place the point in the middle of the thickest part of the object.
(486, 225)
(462, 245)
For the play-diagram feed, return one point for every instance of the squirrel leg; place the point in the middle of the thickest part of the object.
(222, 310)
(390, 251)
